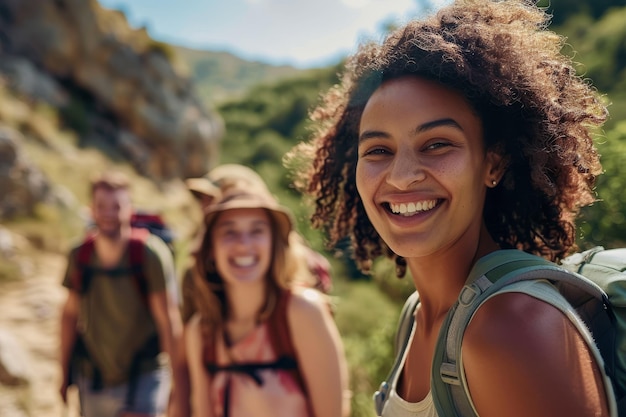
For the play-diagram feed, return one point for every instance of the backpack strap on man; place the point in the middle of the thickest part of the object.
(150, 350)
(83, 271)
(136, 255)
(494, 274)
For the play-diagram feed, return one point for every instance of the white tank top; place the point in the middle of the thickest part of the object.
(398, 407)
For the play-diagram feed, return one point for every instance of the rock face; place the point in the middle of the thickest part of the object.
(21, 183)
(111, 82)
(14, 364)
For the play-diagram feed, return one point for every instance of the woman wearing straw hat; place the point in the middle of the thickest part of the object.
(245, 298)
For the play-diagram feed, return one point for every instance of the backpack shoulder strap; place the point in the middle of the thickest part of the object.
(209, 354)
(500, 271)
(403, 334)
(280, 335)
(82, 274)
(136, 250)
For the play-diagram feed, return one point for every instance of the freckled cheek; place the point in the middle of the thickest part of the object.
(458, 171)
(366, 176)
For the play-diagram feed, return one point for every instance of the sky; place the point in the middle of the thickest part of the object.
(302, 33)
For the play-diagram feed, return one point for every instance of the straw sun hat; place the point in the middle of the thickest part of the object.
(224, 176)
(241, 198)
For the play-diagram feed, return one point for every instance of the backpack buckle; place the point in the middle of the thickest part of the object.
(380, 397)
(449, 374)
(468, 294)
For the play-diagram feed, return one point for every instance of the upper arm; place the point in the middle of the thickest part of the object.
(162, 293)
(524, 357)
(71, 305)
(317, 341)
(198, 376)
(70, 269)
(159, 307)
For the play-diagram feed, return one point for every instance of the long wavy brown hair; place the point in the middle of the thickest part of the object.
(535, 111)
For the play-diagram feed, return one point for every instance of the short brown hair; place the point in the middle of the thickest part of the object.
(110, 180)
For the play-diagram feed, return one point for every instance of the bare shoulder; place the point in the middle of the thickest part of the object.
(307, 302)
(517, 348)
(192, 329)
(515, 321)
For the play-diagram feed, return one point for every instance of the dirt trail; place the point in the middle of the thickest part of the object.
(30, 314)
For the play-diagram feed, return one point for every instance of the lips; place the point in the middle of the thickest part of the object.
(412, 208)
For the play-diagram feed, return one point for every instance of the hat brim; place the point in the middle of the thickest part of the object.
(281, 215)
(203, 186)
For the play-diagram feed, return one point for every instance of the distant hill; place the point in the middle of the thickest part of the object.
(222, 76)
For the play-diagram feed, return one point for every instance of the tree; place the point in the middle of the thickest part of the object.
(562, 10)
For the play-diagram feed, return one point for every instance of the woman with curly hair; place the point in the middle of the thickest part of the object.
(257, 342)
(462, 134)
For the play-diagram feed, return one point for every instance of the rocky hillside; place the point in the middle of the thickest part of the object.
(80, 91)
(110, 83)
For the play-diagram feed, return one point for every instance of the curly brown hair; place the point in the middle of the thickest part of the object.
(535, 111)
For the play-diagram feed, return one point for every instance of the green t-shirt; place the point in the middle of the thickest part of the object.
(114, 320)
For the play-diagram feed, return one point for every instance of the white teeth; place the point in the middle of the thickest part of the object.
(413, 208)
(244, 261)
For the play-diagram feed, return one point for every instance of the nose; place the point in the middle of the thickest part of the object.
(243, 239)
(405, 169)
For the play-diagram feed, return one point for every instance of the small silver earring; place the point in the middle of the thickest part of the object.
(494, 183)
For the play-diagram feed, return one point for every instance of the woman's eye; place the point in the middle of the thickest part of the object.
(229, 234)
(437, 145)
(374, 151)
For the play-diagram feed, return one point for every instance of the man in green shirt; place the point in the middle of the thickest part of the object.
(121, 332)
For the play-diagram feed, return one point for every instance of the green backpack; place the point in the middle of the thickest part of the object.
(591, 292)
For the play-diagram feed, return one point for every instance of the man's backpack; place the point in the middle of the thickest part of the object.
(155, 224)
(143, 224)
(84, 271)
(593, 286)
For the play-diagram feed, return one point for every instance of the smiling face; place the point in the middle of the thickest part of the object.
(111, 210)
(242, 245)
(422, 169)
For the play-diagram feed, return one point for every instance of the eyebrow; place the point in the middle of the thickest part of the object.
(368, 134)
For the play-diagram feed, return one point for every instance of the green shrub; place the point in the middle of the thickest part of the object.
(367, 321)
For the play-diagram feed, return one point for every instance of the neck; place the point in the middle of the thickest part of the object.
(110, 247)
(439, 277)
(246, 302)
(115, 236)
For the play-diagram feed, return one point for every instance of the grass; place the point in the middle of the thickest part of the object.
(367, 321)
